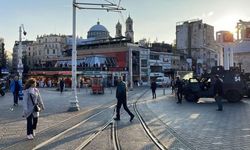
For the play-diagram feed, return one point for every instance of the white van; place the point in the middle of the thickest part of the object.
(160, 81)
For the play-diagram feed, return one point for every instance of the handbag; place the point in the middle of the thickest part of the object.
(36, 107)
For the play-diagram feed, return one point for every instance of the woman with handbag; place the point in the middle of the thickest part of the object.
(32, 104)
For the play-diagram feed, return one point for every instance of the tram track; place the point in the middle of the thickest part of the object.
(43, 143)
(109, 123)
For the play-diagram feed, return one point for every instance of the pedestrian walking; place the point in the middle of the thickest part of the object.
(61, 84)
(32, 104)
(121, 95)
(153, 88)
(179, 86)
(218, 91)
(16, 87)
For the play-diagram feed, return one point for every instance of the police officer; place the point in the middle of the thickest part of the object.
(121, 95)
(218, 91)
(179, 86)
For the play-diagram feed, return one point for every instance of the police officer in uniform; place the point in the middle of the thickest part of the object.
(179, 86)
(218, 91)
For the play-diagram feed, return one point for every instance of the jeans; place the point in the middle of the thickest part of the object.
(15, 94)
(31, 124)
(219, 102)
(179, 95)
(153, 93)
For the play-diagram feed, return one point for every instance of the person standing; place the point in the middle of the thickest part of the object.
(153, 88)
(179, 86)
(32, 97)
(218, 92)
(15, 87)
(121, 95)
(173, 85)
(61, 84)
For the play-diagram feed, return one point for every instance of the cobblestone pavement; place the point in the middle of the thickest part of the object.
(13, 126)
(178, 127)
(202, 126)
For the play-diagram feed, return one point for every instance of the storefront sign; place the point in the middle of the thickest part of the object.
(50, 73)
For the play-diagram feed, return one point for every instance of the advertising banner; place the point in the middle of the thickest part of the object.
(228, 37)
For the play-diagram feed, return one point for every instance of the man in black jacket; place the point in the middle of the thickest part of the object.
(179, 86)
(121, 95)
(153, 88)
(218, 92)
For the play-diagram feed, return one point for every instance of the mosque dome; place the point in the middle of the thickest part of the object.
(98, 31)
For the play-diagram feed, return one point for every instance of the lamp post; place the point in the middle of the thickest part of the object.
(20, 53)
(74, 106)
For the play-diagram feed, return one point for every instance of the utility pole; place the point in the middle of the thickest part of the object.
(109, 6)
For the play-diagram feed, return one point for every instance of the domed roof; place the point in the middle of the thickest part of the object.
(98, 27)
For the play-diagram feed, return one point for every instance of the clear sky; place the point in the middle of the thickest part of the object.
(153, 19)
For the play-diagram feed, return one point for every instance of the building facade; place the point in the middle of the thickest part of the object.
(2, 53)
(241, 49)
(195, 40)
(15, 57)
(46, 47)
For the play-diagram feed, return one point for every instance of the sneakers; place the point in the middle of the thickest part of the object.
(116, 119)
(30, 137)
(132, 117)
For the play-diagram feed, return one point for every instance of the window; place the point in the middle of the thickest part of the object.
(130, 27)
(144, 63)
(154, 57)
(54, 51)
(47, 51)
(156, 68)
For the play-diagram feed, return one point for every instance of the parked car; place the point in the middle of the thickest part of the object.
(163, 81)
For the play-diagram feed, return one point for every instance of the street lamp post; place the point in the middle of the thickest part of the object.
(74, 106)
(20, 53)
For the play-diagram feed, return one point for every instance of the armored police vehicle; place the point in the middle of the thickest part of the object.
(234, 87)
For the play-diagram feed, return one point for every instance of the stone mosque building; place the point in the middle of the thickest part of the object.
(99, 31)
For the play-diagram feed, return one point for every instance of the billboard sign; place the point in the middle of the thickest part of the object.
(228, 37)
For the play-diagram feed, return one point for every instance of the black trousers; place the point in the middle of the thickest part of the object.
(121, 102)
(61, 89)
(31, 124)
(218, 100)
(179, 95)
(15, 94)
(153, 93)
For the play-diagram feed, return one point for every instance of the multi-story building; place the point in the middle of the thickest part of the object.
(2, 53)
(15, 59)
(241, 49)
(195, 40)
(46, 47)
(101, 55)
